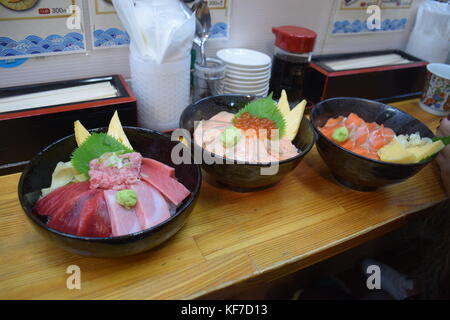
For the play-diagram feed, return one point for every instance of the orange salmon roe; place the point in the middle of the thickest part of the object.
(248, 122)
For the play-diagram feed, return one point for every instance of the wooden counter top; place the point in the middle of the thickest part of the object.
(231, 239)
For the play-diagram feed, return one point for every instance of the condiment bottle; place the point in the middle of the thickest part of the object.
(293, 48)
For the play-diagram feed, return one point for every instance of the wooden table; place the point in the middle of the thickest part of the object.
(230, 240)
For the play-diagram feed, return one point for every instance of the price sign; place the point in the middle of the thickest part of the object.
(396, 4)
(40, 27)
(351, 17)
(357, 4)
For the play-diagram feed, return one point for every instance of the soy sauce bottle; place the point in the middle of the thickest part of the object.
(293, 48)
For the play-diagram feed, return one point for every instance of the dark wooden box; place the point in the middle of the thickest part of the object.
(26, 132)
(384, 83)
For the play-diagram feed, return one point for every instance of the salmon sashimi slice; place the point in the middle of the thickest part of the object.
(377, 142)
(123, 221)
(164, 183)
(374, 156)
(251, 147)
(366, 153)
(388, 133)
(331, 125)
(362, 134)
(349, 144)
(281, 149)
(353, 119)
(361, 151)
(151, 207)
(328, 131)
(244, 150)
(224, 117)
(335, 122)
(206, 132)
(263, 151)
(378, 139)
(94, 220)
(214, 146)
(365, 138)
(372, 126)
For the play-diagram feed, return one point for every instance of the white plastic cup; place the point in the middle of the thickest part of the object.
(162, 90)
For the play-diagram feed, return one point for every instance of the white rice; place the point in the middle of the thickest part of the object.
(412, 140)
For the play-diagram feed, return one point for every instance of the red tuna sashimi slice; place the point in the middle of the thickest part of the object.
(123, 221)
(68, 220)
(151, 207)
(61, 200)
(156, 165)
(168, 186)
(94, 220)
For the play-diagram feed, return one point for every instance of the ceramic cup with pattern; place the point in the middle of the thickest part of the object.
(436, 93)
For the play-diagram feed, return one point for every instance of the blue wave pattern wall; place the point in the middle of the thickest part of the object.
(358, 26)
(219, 30)
(110, 38)
(33, 44)
(115, 37)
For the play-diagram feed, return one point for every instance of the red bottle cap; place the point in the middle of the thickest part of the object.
(294, 39)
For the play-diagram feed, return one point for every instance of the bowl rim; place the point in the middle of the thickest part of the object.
(238, 162)
(321, 135)
(192, 198)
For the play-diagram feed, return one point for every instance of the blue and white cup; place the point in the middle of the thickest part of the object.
(436, 93)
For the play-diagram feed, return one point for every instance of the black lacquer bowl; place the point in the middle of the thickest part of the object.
(355, 171)
(149, 143)
(241, 176)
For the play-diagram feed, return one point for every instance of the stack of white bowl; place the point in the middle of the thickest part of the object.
(247, 71)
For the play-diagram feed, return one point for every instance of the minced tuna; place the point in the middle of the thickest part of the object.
(115, 171)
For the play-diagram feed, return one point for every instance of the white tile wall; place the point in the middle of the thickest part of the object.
(251, 24)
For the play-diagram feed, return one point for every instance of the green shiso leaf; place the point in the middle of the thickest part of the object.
(445, 140)
(265, 108)
(94, 147)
